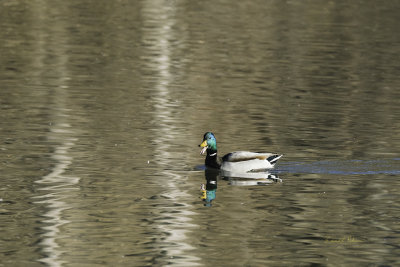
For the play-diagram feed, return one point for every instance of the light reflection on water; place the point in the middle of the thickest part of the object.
(58, 187)
(174, 221)
(50, 47)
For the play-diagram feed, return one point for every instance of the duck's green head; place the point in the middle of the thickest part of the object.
(209, 144)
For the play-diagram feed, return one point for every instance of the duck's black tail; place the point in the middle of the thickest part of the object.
(273, 159)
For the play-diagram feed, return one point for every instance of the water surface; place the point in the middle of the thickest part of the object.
(103, 105)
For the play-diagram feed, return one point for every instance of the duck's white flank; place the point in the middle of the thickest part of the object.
(244, 161)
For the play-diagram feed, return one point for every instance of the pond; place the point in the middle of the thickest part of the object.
(103, 106)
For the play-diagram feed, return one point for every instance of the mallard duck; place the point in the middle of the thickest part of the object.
(239, 161)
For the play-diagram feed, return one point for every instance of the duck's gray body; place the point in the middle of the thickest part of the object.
(245, 161)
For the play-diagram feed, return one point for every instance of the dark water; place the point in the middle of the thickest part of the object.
(103, 105)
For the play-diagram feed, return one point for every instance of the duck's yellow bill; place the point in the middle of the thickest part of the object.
(204, 147)
(204, 144)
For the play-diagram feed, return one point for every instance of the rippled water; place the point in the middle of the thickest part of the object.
(103, 105)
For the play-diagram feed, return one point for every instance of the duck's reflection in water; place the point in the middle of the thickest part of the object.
(209, 190)
(250, 178)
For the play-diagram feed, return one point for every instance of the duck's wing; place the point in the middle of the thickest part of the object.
(239, 156)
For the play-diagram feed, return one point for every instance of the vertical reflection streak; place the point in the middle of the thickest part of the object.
(56, 184)
(174, 224)
(58, 187)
